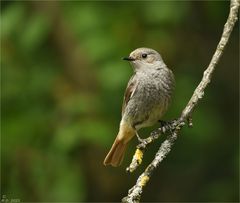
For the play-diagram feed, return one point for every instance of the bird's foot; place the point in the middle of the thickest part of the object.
(140, 140)
(167, 125)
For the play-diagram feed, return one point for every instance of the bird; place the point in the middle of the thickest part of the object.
(146, 99)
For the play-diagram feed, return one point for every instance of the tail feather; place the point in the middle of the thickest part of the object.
(116, 153)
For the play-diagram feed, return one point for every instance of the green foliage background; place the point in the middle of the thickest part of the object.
(63, 81)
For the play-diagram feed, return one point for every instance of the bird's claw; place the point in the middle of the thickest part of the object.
(167, 125)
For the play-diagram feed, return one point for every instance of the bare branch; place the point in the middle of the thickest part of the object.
(134, 194)
(199, 91)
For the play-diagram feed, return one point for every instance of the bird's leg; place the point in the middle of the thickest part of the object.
(139, 138)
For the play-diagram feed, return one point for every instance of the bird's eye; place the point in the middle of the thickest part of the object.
(144, 56)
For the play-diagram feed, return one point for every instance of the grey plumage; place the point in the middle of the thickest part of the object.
(154, 84)
(146, 99)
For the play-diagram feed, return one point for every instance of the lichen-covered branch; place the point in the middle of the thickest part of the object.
(137, 158)
(134, 194)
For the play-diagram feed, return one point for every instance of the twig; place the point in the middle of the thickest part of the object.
(137, 158)
(134, 194)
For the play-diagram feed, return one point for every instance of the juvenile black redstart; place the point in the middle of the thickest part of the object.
(146, 99)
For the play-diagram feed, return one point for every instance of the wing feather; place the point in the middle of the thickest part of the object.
(131, 88)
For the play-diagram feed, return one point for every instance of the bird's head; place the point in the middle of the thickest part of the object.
(143, 58)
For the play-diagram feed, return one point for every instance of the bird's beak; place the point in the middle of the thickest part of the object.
(128, 58)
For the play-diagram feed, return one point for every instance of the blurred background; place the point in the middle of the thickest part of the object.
(63, 82)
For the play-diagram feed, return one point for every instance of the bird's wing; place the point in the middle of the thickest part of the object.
(131, 87)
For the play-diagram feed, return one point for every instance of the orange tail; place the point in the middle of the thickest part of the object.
(117, 151)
